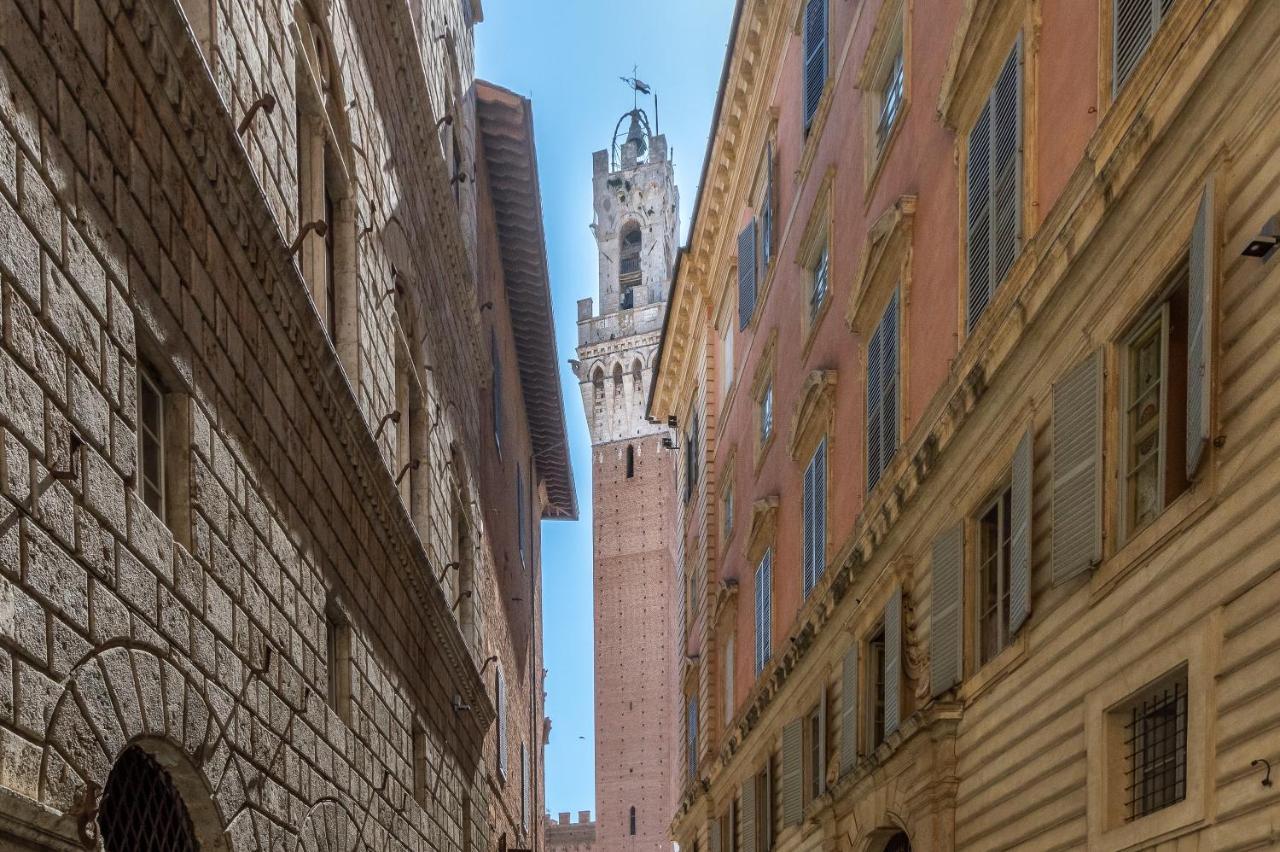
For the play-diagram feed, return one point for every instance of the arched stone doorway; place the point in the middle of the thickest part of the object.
(899, 842)
(141, 808)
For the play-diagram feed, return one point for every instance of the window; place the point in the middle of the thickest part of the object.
(726, 360)
(629, 273)
(141, 809)
(691, 738)
(692, 460)
(419, 764)
(338, 647)
(882, 393)
(766, 414)
(818, 283)
(764, 808)
(815, 58)
(151, 441)
(815, 746)
(727, 663)
(1153, 374)
(748, 274)
(1155, 746)
(726, 512)
(322, 192)
(892, 90)
(876, 687)
(633, 821)
(995, 537)
(495, 388)
(631, 461)
(815, 517)
(500, 707)
(1133, 25)
(766, 210)
(764, 611)
(994, 187)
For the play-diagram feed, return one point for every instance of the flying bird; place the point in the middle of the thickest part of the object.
(637, 84)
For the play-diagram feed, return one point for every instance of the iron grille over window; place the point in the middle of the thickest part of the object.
(1156, 742)
(141, 809)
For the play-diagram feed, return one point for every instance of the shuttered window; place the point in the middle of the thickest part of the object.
(882, 393)
(747, 815)
(815, 57)
(691, 737)
(1133, 25)
(815, 517)
(792, 773)
(728, 663)
(849, 710)
(994, 187)
(764, 610)
(1020, 547)
(1200, 276)
(500, 706)
(1077, 476)
(946, 634)
(893, 662)
(747, 274)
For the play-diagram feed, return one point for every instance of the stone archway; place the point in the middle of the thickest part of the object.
(121, 696)
(328, 827)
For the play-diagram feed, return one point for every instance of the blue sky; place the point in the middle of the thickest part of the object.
(567, 56)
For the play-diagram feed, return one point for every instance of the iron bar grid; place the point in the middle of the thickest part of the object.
(1156, 743)
(142, 810)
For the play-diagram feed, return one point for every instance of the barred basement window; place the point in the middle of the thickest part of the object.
(1155, 746)
(141, 810)
(163, 452)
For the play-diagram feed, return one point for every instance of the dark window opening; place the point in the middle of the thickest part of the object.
(629, 258)
(633, 820)
(141, 810)
(875, 673)
(995, 538)
(631, 461)
(813, 754)
(898, 843)
(1156, 748)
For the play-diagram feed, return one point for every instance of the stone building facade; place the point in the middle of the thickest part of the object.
(978, 315)
(636, 222)
(268, 562)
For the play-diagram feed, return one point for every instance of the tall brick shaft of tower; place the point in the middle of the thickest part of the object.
(636, 228)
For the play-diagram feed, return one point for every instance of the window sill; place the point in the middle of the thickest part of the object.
(996, 669)
(1151, 540)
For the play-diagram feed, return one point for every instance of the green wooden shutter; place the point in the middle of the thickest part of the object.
(1020, 546)
(849, 710)
(792, 772)
(946, 633)
(1077, 475)
(893, 662)
(1199, 332)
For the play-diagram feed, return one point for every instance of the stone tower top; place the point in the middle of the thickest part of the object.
(636, 226)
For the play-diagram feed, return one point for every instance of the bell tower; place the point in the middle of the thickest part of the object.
(636, 227)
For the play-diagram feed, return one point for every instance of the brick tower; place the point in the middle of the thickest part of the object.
(636, 225)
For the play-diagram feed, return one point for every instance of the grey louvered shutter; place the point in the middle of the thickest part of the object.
(873, 409)
(747, 815)
(849, 710)
(819, 558)
(1006, 167)
(1077, 480)
(1133, 24)
(815, 57)
(889, 383)
(1199, 336)
(746, 274)
(713, 835)
(978, 232)
(946, 636)
(893, 662)
(792, 771)
(808, 508)
(1020, 545)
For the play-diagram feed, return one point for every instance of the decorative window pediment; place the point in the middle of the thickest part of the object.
(885, 263)
(981, 44)
(814, 412)
(764, 527)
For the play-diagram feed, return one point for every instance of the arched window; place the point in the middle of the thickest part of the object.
(633, 820)
(597, 380)
(324, 193)
(631, 461)
(141, 810)
(629, 276)
(636, 372)
(617, 378)
(898, 843)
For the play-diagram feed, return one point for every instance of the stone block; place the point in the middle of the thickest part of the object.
(71, 321)
(54, 577)
(136, 584)
(23, 411)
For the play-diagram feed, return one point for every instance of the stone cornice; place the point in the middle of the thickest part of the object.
(160, 51)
